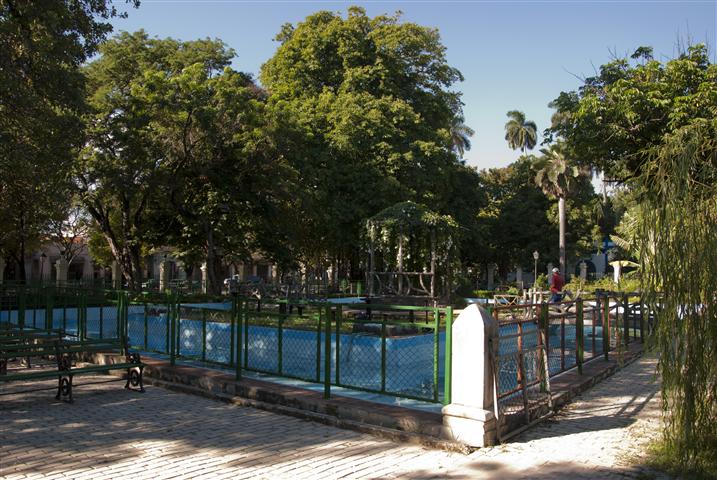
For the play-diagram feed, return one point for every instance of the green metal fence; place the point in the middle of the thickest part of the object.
(396, 350)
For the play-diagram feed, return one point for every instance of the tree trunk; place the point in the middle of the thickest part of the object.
(21, 264)
(135, 273)
(561, 241)
(214, 261)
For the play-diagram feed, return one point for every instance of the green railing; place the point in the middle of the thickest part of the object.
(396, 350)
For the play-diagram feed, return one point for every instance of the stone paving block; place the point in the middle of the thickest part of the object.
(113, 434)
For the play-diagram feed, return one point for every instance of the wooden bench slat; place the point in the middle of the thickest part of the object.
(55, 344)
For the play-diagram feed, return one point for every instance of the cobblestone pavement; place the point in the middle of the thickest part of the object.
(112, 433)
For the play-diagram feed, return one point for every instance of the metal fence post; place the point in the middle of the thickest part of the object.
(606, 326)
(123, 322)
(280, 345)
(146, 325)
(448, 352)
(544, 334)
(626, 318)
(172, 314)
(239, 322)
(49, 309)
(318, 343)
(642, 321)
(204, 335)
(327, 353)
(339, 318)
(20, 309)
(383, 353)
(82, 315)
(436, 351)
(579, 331)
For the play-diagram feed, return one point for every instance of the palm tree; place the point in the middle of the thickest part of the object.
(554, 174)
(460, 136)
(520, 133)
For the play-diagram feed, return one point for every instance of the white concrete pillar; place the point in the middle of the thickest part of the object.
(470, 417)
(491, 280)
(205, 280)
(253, 269)
(519, 276)
(616, 272)
(241, 273)
(164, 271)
(583, 270)
(62, 268)
(88, 270)
(181, 271)
(550, 270)
(45, 268)
(116, 275)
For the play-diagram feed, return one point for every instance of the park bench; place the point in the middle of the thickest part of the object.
(13, 340)
(64, 350)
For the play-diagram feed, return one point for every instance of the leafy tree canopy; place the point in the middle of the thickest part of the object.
(177, 152)
(368, 119)
(42, 45)
(624, 111)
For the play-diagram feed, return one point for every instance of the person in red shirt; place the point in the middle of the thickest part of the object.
(556, 286)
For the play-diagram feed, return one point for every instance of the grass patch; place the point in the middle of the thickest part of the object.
(664, 457)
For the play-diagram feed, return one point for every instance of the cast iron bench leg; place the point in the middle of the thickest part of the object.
(64, 388)
(135, 374)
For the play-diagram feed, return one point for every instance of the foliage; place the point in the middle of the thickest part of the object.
(541, 283)
(651, 125)
(483, 293)
(520, 133)
(417, 232)
(555, 173)
(621, 113)
(42, 45)
(367, 119)
(628, 283)
(678, 248)
(514, 219)
(461, 136)
(177, 154)
(663, 457)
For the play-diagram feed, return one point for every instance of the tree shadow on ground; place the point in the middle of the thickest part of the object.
(486, 469)
(109, 425)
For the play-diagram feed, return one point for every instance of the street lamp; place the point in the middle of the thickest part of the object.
(536, 256)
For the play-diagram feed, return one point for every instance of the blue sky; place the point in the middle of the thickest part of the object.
(513, 54)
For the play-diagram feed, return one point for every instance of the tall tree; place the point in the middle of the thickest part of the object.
(624, 111)
(520, 133)
(555, 175)
(367, 111)
(650, 125)
(225, 189)
(176, 152)
(461, 136)
(42, 45)
(678, 252)
(514, 220)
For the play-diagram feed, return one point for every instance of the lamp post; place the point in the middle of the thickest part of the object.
(536, 256)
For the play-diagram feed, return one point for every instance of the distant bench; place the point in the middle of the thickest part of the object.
(35, 344)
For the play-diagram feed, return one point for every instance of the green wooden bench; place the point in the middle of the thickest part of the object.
(18, 340)
(64, 351)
